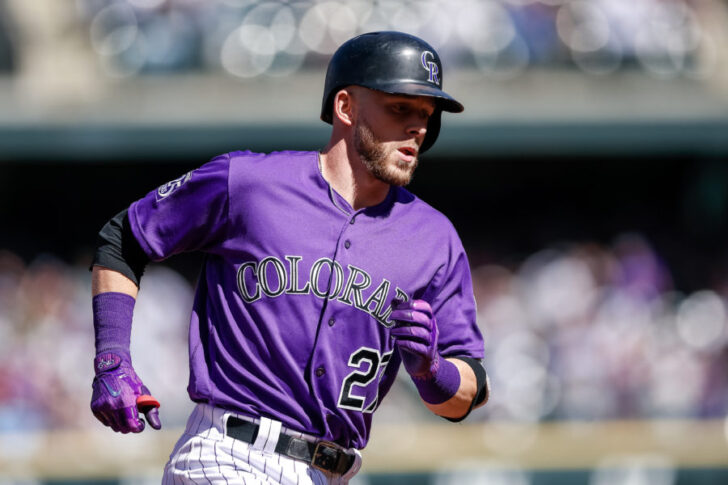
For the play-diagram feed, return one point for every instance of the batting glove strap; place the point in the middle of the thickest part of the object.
(106, 362)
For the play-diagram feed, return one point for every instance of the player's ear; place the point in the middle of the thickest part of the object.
(345, 106)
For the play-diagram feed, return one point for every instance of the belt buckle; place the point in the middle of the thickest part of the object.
(325, 456)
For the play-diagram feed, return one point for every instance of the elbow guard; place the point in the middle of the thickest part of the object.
(118, 249)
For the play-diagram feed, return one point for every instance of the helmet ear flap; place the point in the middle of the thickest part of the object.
(327, 112)
(433, 129)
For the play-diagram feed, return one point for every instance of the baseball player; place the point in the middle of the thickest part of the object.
(322, 275)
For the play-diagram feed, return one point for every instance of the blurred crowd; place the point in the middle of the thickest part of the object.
(587, 331)
(580, 331)
(46, 342)
(248, 38)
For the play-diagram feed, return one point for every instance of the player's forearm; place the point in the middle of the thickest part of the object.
(113, 302)
(104, 280)
(458, 405)
(114, 296)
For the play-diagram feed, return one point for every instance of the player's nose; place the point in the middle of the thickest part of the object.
(417, 128)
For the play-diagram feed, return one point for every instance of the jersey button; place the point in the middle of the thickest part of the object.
(352, 220)
(347, 244)
(331, 322)
(320, 371)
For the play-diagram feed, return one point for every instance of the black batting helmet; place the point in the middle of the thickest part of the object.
(392, 62)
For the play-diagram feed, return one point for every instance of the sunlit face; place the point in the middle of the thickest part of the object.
(388, 133)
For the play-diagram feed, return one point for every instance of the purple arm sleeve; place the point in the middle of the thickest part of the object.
(441, 384)
(112, 321)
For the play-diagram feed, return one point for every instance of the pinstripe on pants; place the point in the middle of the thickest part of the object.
(205, 455)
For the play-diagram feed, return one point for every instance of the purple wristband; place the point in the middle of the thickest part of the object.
(112, 321)
(441, 384)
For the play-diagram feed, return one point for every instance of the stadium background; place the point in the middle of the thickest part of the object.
(587, 178)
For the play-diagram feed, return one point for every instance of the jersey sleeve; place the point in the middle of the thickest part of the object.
(186, 214)
(453, 302)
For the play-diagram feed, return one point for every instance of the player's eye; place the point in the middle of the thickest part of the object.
(400, 108)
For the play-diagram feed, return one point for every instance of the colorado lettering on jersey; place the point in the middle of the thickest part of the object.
(271, 277)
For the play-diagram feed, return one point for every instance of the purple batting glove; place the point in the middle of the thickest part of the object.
(415, 331)
(119, 394)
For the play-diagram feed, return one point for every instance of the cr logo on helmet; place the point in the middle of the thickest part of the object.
(430, 66)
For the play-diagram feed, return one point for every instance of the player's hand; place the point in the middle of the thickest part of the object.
(415, 332)
(119, 395)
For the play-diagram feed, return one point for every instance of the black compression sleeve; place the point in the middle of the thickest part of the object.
(118, 249)
(481, 382)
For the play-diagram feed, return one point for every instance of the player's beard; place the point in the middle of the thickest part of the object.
(374, 154)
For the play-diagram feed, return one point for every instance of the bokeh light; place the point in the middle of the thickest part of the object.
(701, 321)
(113, 29)
(501, 39)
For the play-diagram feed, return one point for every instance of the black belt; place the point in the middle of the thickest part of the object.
(324, 455)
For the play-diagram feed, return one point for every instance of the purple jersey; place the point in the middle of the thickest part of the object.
(290, 319)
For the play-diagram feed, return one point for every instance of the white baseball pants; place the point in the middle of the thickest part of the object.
(205, 455)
